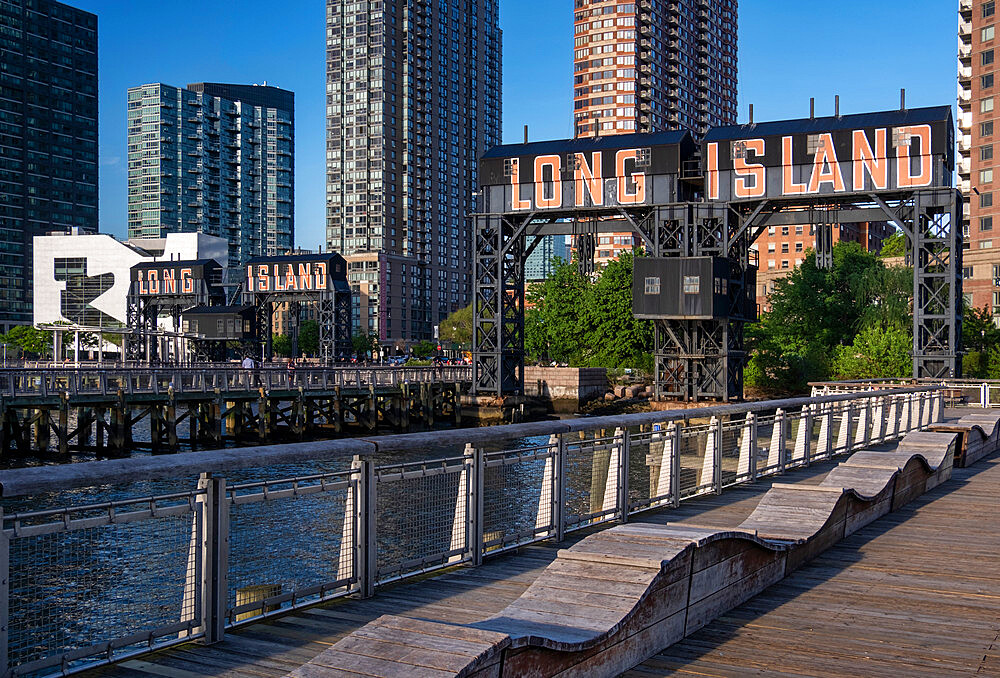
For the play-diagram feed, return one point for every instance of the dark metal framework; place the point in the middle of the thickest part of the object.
(142, 310)
(931, 219)
(333, 314)
(704, 359)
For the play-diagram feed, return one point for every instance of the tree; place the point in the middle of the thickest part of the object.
(815, 313)
(309, 337)
(876, 353)
(894, 245)
(424, 349)
(282, 345)
(457, 327)
(614, 336)
(554, 328)
(29, 339)
(981, 339)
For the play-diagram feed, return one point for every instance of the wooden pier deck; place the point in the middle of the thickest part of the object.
(915, 593)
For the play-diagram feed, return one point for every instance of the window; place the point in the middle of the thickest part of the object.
(784, 248)
(784, 263)
(966, 272)
(986, 57)
(986, 81)
(770, 263)
(986, 34)
(989, 8)
(986, 152)
(985, 176)
(986, 105)
(986, 199)
(798, 247)
(985, 244)
(996, 275)
(770, 247)
(652, 285)
(985, 223)
(784, 230)
(692, 284)
(798, 230)
(986, 128)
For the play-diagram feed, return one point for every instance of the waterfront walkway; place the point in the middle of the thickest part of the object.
(915, 593)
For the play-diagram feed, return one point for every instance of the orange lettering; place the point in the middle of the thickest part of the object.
(745, 170)
(864, 159)
(638, 178)
(554, 164)
(788, 184)
(515, 181)
(591, 177)
(713, 171)
(826, 157)
(904, 168)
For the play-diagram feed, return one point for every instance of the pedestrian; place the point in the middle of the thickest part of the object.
(248, 365)
(291, 370)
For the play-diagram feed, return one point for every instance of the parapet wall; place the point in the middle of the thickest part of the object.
(570, 383)
(620, 595)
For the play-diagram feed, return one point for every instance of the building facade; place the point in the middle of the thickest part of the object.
(48, 137)
(540, 263)
(978, 96)
(413, 100)
(213, 158)
(654, 65)
(83, 278)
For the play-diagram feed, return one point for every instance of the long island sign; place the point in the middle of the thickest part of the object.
(891, 150)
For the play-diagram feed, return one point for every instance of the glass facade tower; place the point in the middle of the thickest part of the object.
(413, 100)
(48, 136)
(213, 158)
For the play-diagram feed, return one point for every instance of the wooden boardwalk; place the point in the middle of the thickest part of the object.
(465, 594)
(916, 593)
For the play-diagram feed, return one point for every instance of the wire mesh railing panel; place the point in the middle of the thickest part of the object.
(90, 584)
(588, 496)
(840, 429)
(734, 452)
(291, 542)
(649, 467)
(769, 444)
(696, 466)
(518, 496)
(421, 516)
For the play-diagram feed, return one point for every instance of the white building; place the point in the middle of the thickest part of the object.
(84, 280)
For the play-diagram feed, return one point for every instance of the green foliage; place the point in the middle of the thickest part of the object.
(981, 338)
(28, 339)
(424, 349)
(587, 323)
(457, 327)
(852, 320)
(363, 344)
(875, 353)
(309, 338)
(894, 245)
(282, 345)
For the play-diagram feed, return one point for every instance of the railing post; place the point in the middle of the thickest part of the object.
(936, 413)
(4, 598)
(776, 452)
(984, 395)
(214, 556)
(545, 512)
(559, 490)
(711, 466)
(746, 467)
(624, 449)
(475, 506)
(366, 550)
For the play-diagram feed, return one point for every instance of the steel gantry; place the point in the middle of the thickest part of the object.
(714, 201)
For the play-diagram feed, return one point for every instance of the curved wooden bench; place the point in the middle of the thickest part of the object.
(979, 435)
(620, 595)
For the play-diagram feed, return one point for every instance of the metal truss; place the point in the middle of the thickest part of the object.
(930, 218)
(333, 315)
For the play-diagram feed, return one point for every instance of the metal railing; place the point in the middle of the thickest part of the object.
(45, 382)
(96, 581)
(969, 392)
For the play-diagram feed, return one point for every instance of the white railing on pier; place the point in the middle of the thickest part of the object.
(237, 539)
(109, 382)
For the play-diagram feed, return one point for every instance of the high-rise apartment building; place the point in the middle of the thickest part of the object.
(213, 158)
(413, 100)
(654, 65)
(540, 263)
(978, 97)
(48, 137)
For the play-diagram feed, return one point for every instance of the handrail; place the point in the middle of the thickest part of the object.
(33, 480)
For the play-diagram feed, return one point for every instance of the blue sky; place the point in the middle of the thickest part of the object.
(789, 50)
